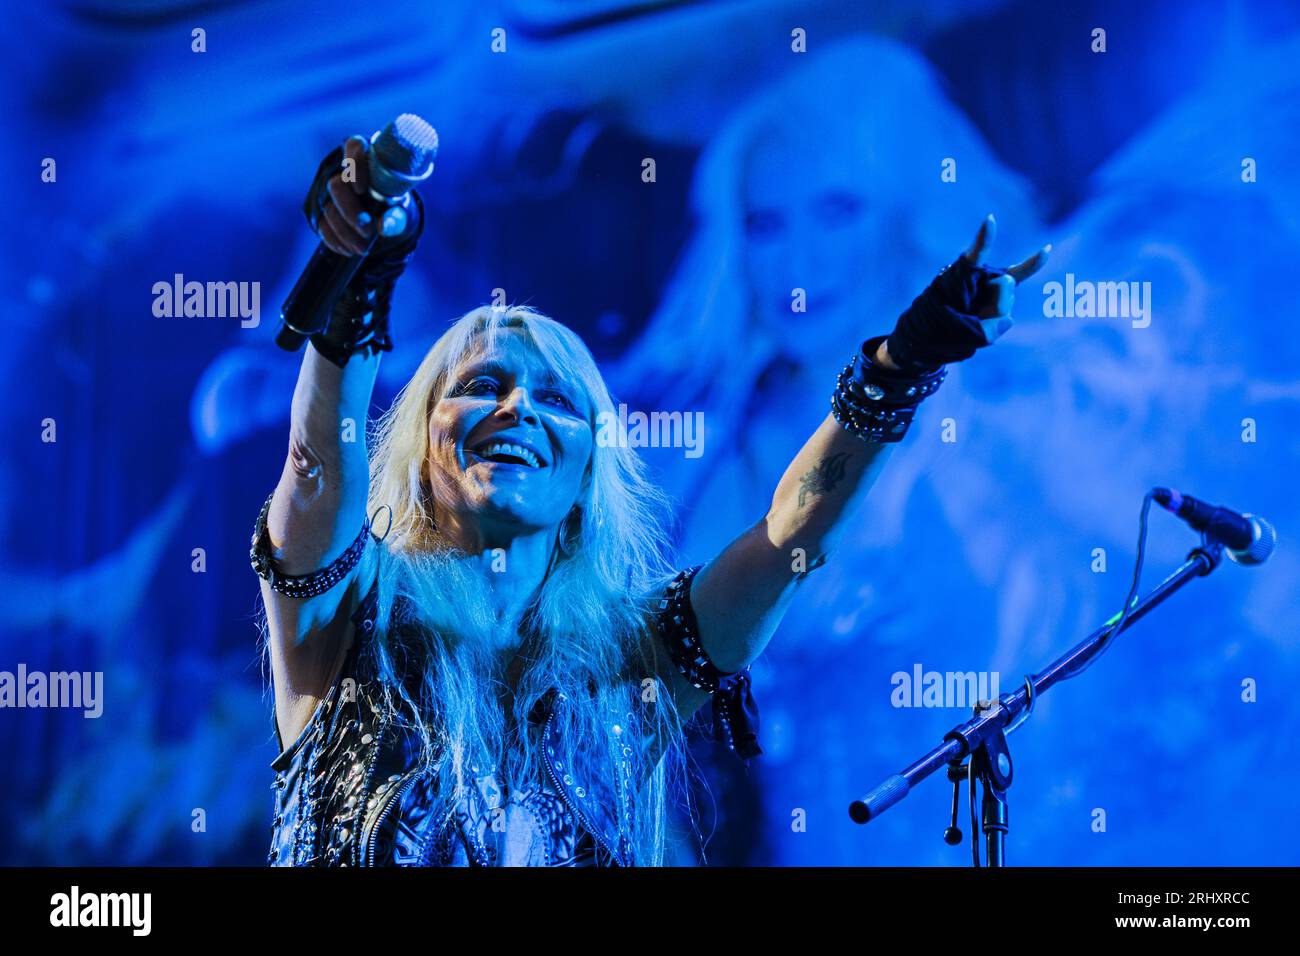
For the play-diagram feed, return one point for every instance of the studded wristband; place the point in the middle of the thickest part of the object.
(302, 585)
(678, 629)
(735, 713)
(875, 403)
(358, 322)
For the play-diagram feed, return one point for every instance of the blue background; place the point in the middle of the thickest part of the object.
(774, 170)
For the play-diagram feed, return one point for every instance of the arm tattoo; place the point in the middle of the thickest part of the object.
(823, 478)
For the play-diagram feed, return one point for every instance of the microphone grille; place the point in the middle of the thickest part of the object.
(406, 147)
(1261, 546)
(415, 134)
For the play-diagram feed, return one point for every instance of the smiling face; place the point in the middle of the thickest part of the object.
(510, 441)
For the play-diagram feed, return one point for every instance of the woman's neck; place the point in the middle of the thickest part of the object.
(512, 568)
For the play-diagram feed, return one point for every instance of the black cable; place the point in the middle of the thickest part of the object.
(1104, 645)
(1099, 649)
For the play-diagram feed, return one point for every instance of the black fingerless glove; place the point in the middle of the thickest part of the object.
(941, 324)
(359, 319)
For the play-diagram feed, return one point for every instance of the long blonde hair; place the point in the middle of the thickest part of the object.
(586, 633)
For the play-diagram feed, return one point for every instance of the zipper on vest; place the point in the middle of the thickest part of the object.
(579, 816)
(390, 802)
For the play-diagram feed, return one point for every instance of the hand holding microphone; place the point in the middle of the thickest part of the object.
(344, 224)
(364, 206)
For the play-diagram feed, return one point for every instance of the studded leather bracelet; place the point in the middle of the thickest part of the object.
(301, 585)
(735, 714)
(875, 403)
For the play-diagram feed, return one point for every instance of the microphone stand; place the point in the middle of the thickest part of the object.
(983, 738)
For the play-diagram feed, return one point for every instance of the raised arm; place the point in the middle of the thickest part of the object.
(740, 596)
(319, 504)
(317, 513)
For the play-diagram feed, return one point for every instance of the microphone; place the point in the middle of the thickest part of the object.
(1248, 538)
(399, 156)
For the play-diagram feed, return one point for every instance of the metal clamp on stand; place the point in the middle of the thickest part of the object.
(977, 749)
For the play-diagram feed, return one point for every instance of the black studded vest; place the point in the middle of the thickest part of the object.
(349, 792)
